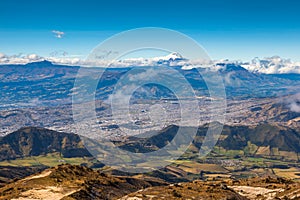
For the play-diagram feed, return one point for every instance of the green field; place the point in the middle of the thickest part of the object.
(50, 160)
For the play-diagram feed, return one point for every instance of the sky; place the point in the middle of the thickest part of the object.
(227, 29)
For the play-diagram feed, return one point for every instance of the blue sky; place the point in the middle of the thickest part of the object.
(225, 28)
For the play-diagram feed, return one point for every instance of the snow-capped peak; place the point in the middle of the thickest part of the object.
(173, 56)
(170, 57)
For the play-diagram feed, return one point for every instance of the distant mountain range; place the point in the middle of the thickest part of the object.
(44, 83)
(267, 65)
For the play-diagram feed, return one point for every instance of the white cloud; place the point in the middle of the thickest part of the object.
(269, 65)
(19, 59)
(58, 34)
(2, 55)
(66, 60)
(24, 59)
(147, 75)
(33, 57)
(294, 103)
(231, 80)
(273, 65)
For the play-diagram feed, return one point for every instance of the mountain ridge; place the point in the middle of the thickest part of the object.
(33, 141)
